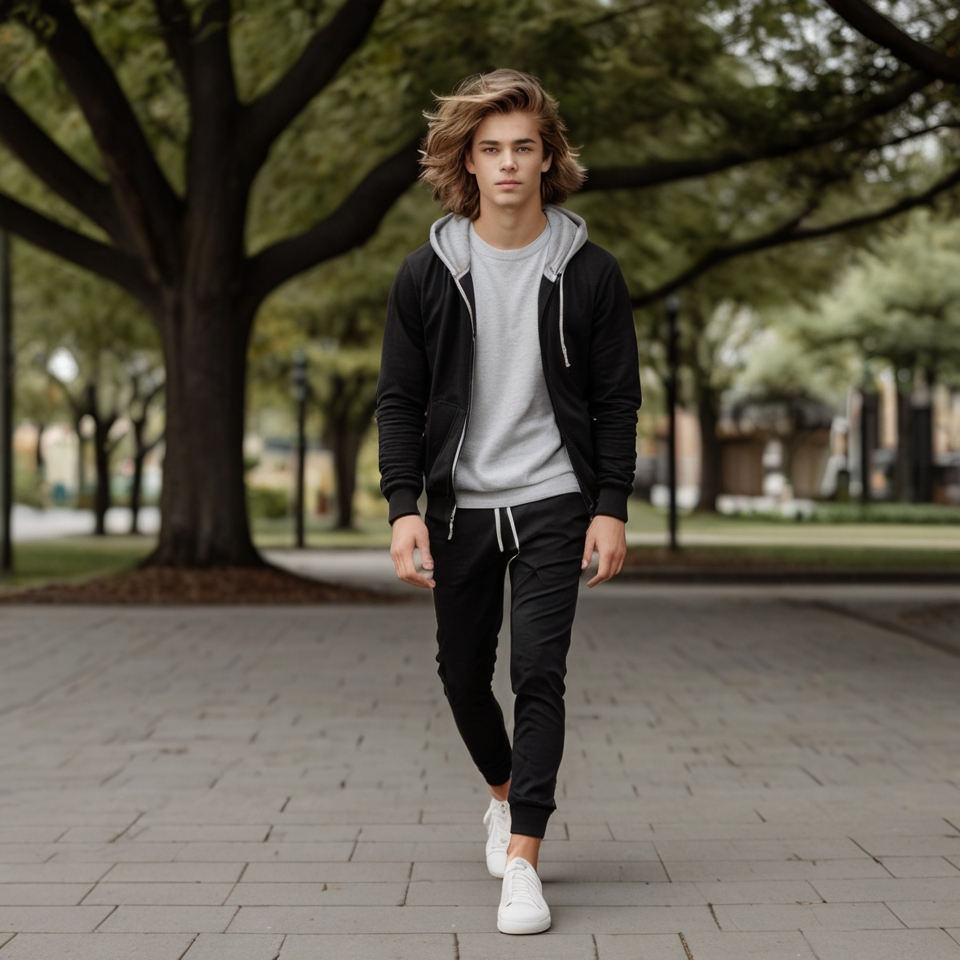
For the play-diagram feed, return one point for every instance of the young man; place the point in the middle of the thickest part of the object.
(509, 386)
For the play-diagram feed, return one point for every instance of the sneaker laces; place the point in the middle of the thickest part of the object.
(496, 820)
(524, 887)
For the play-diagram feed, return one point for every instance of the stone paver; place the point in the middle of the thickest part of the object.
(883, 945)
(97, 946)
(749, 946)
(420, 946)
(225, 946)
(748, 774)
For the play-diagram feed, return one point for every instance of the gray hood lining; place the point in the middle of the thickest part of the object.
(450, 239)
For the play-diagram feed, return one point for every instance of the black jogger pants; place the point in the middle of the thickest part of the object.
(541, 544)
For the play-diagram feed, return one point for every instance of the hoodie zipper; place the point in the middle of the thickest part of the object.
(563, 343)
(463, 431)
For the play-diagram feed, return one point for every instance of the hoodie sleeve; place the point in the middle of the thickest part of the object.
(614, 393)
(402, 397)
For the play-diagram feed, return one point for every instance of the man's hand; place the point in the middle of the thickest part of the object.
(408, 533)
(606, 536)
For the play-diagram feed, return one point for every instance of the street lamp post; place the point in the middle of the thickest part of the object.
(300, 392)
(6, 405)
(672, 307)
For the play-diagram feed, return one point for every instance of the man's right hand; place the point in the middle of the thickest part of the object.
(408, 533)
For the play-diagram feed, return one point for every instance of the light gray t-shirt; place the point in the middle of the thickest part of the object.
(512, 452)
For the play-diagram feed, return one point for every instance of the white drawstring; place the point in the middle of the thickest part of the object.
(563, 343)
(513, 527)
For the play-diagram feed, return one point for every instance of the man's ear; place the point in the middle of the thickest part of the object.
(547, 163)
(468, 161)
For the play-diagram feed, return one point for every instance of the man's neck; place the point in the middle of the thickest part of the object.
(509, 229)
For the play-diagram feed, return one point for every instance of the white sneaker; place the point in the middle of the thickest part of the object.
(497, 819)
(522, 907)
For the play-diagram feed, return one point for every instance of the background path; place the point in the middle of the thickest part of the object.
(748, 775)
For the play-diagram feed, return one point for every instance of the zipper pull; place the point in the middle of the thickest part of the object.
(453, 513)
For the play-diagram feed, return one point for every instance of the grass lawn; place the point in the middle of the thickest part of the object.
(788, 556)
(650, 524)
(44, 561)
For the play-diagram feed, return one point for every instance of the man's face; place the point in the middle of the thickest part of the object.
(506, 157)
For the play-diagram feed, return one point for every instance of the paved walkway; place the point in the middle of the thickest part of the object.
(749, 776)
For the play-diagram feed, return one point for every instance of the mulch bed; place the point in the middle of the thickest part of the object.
(692, 566)
(215, 585)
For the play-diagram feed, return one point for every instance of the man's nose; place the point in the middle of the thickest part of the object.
(507, 161)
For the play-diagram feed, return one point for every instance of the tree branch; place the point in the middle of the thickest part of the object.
(142, 192)
(668, 171)
(175, 20)
(876, 27)
(90, 254)
(350, 225)
(792, 232)
(326, 52)
(59, 171)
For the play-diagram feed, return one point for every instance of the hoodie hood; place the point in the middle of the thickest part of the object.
(450, 239)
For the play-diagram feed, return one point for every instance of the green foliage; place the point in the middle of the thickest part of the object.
(900, 304)
(267, 503)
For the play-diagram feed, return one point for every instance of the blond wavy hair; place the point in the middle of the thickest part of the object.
(452, 125)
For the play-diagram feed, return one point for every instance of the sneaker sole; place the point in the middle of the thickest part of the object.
(519, 929)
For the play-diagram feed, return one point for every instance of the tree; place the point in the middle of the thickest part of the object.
(146, 388)
(38, 401)
(791, 389)
(94, 342)
(899, 306)
(187, 124)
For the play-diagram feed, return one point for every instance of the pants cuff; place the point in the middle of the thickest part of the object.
(529, 821)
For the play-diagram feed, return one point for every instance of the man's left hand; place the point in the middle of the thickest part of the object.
(606, 536)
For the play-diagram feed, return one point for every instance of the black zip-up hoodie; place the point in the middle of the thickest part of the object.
(589, 351)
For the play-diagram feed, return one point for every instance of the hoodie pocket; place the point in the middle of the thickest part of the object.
(440, 426)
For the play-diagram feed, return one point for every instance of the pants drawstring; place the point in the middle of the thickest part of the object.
(499, 528)
(513, 527)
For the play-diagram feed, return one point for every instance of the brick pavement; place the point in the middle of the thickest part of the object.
(747, 776)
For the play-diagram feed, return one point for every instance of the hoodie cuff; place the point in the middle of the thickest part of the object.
(403, 503)
(612, 502)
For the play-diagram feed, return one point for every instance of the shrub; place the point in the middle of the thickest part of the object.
(267, 503)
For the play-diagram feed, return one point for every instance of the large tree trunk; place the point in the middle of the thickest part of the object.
(203, 502)
(711, 475)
